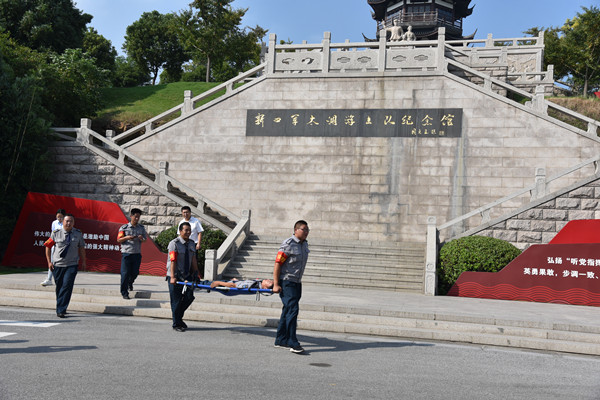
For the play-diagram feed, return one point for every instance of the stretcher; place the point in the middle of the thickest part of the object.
(228, 291)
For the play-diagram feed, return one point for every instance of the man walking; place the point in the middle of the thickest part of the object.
(195, 224)
(287, 275)
(130, 237)
(64, 260)
(181, 267)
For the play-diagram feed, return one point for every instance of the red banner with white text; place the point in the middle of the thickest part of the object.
(98, 220)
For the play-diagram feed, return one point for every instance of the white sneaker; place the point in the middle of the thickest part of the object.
(46, 283)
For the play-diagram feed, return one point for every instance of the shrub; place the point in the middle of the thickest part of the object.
(472, 253)
(211, 239)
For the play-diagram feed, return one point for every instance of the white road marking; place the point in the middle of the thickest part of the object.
(2, 334)
(31, 324)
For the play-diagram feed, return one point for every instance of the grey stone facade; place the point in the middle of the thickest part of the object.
(81, 173)
(365, 188)
(542, 222)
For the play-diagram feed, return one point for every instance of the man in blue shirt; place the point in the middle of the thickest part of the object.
(69, 248)
(287, 276)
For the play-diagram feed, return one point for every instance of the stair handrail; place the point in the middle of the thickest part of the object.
(190, 104)
(531, 188)
(234, 241)
(537, 100)
(85, 135)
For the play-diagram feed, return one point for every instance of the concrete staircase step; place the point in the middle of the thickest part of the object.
(388, 266)
(351, 320)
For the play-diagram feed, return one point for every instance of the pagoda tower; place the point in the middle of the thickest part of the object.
(425, 16)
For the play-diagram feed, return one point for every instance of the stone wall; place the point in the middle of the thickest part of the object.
(81, 173)
(541, 223)
(364, 188)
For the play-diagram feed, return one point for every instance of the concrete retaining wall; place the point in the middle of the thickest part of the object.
(81, 173)
(358, 188)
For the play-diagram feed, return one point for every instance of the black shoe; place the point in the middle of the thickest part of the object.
(130, 287)
(297, 349)
(61, 315)
(126, 297)
(179, 328)
(183, 325)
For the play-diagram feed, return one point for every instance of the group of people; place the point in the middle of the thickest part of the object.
(66, 248)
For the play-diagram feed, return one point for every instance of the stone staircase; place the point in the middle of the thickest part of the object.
(387, 266)
(337, 311)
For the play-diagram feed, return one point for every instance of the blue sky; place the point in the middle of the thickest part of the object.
(300, 20)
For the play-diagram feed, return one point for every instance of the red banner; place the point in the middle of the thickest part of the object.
(567, 270)
(98, 220)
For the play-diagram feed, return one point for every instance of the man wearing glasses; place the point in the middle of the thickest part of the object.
(287, 276)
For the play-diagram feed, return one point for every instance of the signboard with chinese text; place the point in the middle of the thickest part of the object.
(99, 221)
(430, 122)
(562, 271)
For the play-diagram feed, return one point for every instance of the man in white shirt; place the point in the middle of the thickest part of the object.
(197, 229)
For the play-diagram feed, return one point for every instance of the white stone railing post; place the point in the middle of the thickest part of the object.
(188, 106)
(326, 51)
(210, 265)
(540, 184)
(489, 42)
(442, 65)
(83, 136)
(382, 50)
(430, 279)
(538, 102)
(110, 135)
(271, 53)
(247, 214)
(161, 176)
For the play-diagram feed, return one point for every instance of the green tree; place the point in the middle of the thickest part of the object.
(72, 86)
(210, 32)
(24, 134)
(581, 47)
(44, 24)
(574, 50)
(128, 73)
(100, 48)
(152, 43)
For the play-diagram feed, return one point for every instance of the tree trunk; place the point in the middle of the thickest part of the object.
(207, 69)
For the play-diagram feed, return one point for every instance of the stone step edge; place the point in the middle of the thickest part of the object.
(352, 328)
(324, 313)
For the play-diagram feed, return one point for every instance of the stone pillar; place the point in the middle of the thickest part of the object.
(382, 50)
(161, 176)
(210, 265)
(326, 52)
(247, 214)
(489, 42)
(188, 105)
(538, 102)
(82, 133)
(430, 279)
(441, 62)
(271, 53)
(540, 184)
(110, 135)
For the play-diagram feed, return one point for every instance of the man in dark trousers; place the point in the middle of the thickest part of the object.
(181, 267)
(287, 276)
(64, 260)
(130, 237)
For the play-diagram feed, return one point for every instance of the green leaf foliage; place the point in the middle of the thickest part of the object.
(24, 135)
(574, 50)
(211, 34)
(54, 25)
(152, 42)
(472, 253)
(211, 239)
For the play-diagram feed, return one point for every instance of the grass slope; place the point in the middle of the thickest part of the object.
(127, 107)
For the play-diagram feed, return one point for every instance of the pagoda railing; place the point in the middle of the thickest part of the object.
(421, 18)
